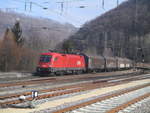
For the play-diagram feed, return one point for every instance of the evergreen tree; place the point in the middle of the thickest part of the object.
(17, 31)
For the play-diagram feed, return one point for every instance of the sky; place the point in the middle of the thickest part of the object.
(76, 12)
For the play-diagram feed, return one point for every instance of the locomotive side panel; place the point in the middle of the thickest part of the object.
(68, 62)
(75, 61)
(59, 61)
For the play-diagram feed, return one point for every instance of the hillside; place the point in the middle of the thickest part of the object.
(123, 31)
(23, 38)
(45, 32)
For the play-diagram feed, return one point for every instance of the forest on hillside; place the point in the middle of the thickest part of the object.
(123, 31)
(23, 38)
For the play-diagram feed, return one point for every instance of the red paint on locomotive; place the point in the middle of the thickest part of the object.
(54, 62)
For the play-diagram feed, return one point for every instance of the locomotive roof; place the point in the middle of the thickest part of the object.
(56, 53)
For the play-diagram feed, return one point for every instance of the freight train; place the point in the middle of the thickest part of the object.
(60, 63)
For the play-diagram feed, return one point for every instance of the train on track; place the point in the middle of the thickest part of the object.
(60, 63)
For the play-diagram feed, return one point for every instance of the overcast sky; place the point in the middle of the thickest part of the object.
(76, 12)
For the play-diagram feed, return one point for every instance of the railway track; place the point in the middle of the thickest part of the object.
(48, 93)
(53, 92)
(126, 107)
(112, 103)
(53, 82)
(29, 82)
(64, 79)
(6, 90)
(93, 78)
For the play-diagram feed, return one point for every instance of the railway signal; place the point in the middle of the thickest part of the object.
(34, 94)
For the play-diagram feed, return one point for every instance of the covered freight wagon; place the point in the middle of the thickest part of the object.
(94, 63)
(111, 63)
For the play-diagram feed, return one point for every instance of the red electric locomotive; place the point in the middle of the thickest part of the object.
(52, 62)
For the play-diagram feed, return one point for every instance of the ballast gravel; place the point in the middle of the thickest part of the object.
(139, 107)
(43, 108)
(102, 107)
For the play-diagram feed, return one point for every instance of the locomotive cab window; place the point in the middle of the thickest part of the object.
(45, 58)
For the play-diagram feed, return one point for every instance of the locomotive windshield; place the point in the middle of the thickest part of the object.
(45, 58)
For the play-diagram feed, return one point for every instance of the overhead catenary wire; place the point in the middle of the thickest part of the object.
(29, 5)
(61, 2)
(58, 14)
(46, 9)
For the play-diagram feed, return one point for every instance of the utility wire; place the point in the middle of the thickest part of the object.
(56, 12)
